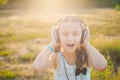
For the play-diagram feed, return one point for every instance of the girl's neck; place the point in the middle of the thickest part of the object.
(70, 57)
(69, 54)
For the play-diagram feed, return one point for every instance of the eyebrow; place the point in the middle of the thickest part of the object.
(72, 32)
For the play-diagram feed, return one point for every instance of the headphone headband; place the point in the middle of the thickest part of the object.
(71, 18)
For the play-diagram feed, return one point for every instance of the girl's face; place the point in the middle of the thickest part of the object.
(70, 35)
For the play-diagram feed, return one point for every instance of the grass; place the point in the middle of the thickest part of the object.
(6, 53)
(105, 75)
(28, 57)
(7, 38)
(7, 75)
(107, 45)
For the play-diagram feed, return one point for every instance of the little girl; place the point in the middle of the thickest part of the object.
(69, 52)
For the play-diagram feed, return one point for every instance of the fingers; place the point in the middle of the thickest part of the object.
(53, 36)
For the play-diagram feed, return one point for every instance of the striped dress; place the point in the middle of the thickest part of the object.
(59, 73)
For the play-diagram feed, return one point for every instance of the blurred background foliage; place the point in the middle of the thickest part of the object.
(11, 4)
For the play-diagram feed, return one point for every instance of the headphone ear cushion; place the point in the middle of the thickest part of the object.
(84, 34)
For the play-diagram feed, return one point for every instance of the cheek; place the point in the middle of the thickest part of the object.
(62, 44)
(78, 38)
(62, 38)
(78, 41)
(62, 41)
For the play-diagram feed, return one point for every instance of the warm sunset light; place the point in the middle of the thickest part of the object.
(51, 10)
(56, 5)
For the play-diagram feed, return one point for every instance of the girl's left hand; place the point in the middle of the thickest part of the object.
(87, 38)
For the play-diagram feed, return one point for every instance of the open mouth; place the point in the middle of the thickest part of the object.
(70, 45)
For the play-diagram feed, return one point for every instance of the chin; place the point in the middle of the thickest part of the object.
(71, 50)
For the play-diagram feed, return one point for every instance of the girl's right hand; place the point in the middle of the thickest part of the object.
(53, 42)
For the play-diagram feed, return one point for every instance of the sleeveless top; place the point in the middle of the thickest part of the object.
(59, 73)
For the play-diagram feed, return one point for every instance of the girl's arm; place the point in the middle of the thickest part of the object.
(44, 61)
(46, 58)
(96, 59)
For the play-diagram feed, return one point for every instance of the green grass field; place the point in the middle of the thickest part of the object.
(23, 34)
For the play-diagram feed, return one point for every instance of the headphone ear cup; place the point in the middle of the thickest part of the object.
(84, 34)
(57, 36)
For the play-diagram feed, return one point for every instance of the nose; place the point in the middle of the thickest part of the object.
(70, 38)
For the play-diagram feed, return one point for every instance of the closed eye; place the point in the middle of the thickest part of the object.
(65, 34)
(76, 33)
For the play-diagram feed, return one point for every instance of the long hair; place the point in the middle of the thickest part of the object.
(81, 54)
